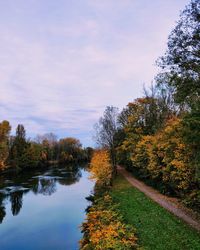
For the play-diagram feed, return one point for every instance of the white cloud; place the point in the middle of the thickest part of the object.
(58, 75)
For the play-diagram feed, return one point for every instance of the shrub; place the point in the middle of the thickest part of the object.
(104, 228)
(101, 169)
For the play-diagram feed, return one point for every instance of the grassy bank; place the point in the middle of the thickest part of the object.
(156, 227)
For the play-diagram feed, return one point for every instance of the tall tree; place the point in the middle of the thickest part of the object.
(19, 147)
(106, 129)
(181, 70)
(181, 62)
(4, 142)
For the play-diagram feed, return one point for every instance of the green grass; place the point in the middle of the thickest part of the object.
(156, 227)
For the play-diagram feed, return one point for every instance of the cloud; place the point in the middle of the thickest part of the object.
(62, 62)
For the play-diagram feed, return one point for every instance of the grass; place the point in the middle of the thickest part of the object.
(156, 227)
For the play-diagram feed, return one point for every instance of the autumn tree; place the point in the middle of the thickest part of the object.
(101, 168)
(49, 144)
(70, 149)
(181, 70)
(143, 116)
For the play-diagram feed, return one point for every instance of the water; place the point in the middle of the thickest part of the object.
(43, 209)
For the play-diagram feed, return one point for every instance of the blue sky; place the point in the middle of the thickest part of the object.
(62, 62)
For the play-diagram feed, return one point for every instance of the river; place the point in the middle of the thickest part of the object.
(43, 209)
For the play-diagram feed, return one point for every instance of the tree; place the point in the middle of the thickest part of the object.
(70, 149)
(50, 137)
(4, 142)
(19, 148)
(105, 130)
(88, 153)
(101, 169)
(181, 71)
(142, 117)
(168, 162)
(49, 142)
(191, 135)
(181, 62)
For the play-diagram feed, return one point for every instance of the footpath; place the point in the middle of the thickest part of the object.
(171, 204)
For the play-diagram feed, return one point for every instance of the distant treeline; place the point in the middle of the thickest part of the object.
(22, 153)
(157, 136)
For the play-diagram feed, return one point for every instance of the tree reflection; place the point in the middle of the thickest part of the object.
(2, 209)
(46, 186)
(16, 199)
(70, 178)
(39, 182)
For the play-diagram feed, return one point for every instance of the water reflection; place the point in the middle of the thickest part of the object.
(13, 188)
(16, 199)
(2, 209)
(46, 186)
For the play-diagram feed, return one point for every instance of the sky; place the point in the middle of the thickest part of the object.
(62, 62)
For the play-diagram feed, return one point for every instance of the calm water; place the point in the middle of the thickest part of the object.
(43, 209)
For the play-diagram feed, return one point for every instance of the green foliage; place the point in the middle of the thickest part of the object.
(20, 153)
(70, 150)
(191, 135)
(19, 148)
(4, 142)
(144, 116)
(180, 64)
(88, 153)
(181, 71)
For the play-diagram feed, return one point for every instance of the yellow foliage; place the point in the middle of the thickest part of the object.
(101, 168)
(104, 228)
(165, 157)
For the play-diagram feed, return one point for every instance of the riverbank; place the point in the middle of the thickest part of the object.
(156, 228)
(104, 227)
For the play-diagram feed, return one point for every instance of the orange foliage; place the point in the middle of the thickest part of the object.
(104, 228)
(165, 157)
(101, 168)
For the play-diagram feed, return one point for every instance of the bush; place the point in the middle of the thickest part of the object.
(104, 228)
(101, 169)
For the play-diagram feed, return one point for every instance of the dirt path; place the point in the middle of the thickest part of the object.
(171, 204)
